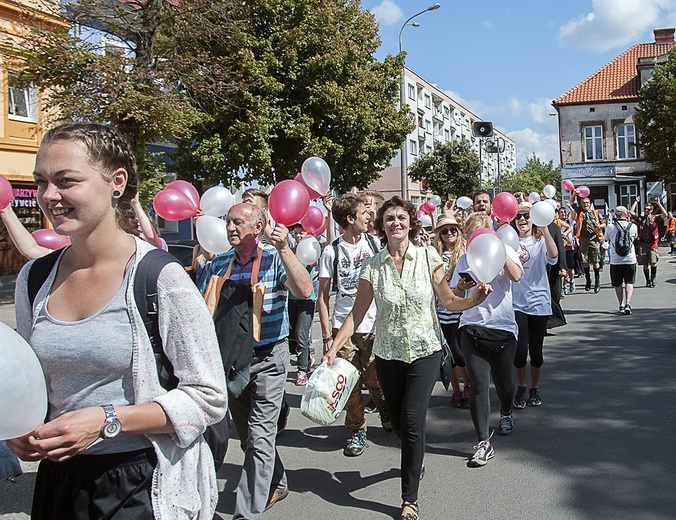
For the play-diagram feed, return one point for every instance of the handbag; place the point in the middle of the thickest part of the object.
(490, 341)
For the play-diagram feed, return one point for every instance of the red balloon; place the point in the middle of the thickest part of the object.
(312, 193)
(428, 207)
(5, 192)
(187, 189)
(505, 206)
(481, 231)
(50, 239)
(288, 202)
(173, 205)
(321, 228)
(313, 220)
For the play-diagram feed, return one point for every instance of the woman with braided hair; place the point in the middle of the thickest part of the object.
(116, 443)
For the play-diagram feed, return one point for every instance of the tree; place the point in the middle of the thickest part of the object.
(451, 170)
(314, 88)
(532, 177)
(656, 120)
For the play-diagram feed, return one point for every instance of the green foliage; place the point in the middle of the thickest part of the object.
(451, 170)
(656, 119)
(315, 88)
(532, 177)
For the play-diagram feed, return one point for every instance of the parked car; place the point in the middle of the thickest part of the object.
(182, 250)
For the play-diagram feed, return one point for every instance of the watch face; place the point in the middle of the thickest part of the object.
(112, 428)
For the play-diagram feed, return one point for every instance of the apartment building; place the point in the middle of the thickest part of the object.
(439, 118)
(597, 135)
(20, 122)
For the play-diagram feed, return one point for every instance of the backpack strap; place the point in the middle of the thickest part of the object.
(39, 272)
(145, 295)
(372, 243)
(334, 283)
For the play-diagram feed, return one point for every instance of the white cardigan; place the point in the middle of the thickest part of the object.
(184, 481)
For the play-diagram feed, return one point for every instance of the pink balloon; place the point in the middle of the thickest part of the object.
(5, 192)
(419, 214)
(321, 228)
(288, 202)
(568, 185)
(505, 206)
(583, 191)
(50, 239)
(312, 193)
(481, 231)
(428, 207)
(173, 205)
(187, 189)
(312, 220)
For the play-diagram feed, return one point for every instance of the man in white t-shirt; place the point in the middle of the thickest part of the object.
(622, 266)
(341, 274)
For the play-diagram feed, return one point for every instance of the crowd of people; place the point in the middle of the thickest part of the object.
(120, 439)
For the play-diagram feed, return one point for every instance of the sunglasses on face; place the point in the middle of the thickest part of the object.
(449, 231)
(524, 216)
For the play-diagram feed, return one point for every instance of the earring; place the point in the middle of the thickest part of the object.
(117, 194)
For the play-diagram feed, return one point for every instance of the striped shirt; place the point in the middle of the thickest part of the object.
(447, 317)
(275, 318)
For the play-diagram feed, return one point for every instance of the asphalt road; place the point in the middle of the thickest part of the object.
(598, 447)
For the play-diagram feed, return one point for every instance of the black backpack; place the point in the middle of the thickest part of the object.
(372, 244)
(145, 296)
(623, 242)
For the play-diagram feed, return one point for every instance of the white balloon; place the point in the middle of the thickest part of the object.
(549, 191)
(316, 174)
(486, 257)
(212, 234)
(426, 220)
(216, 201)
(23, 391)
(463, 202)
(534, 197)
(308, 250)
(552, 202)
(436, 199)
(542, 214)
(509, 236)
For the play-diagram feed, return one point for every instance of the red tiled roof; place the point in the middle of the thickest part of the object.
(616, 80)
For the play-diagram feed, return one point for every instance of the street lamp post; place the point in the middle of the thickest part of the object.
(402, 100)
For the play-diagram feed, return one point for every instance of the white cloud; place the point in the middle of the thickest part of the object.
(613, 23)
(488, 24)
(387, 12)
(531, 142)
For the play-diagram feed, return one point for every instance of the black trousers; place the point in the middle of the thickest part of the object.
(407, 388)
(101, 487)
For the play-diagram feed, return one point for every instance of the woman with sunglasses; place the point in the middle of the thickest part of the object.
(450, 244)
(532, 302)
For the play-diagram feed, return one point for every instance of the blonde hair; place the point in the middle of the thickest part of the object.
(476, 221)
(458, 249)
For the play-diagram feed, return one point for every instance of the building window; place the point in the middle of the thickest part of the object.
(446, 113)
(593, 143)
(626, 142)
(420, 122)
(413, 146)
(411, 92)
(628, 194)
(428, 101)
(447, 135)
(23, 101)
(428, 126)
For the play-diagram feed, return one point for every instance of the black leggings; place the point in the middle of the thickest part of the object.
(480, 366)
(450, 331)
(407, 388)
(532, 331)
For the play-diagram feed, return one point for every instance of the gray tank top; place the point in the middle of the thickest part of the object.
(89, 363)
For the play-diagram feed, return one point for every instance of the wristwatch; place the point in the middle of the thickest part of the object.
(112, 425)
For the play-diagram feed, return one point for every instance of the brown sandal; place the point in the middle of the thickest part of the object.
(413, 514)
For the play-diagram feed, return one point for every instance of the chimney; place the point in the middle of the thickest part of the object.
(664, 35)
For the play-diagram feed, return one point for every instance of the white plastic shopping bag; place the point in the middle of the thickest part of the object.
(328, 390)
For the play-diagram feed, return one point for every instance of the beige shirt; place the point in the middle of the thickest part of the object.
(407, 327)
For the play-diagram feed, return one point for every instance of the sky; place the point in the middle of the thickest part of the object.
(507, 60)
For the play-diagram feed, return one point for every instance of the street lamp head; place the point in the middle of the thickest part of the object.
(434, 7)
(415, 24)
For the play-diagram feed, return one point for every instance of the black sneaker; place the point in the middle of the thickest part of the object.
(653, 283)
(587, 286)
(370, 407)
(484, 452)
(356, 445)
(533, 397)
(621, 311)
(597, 286)
(627, 309)
(506, 424)
(520, 398)
(385, 420)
